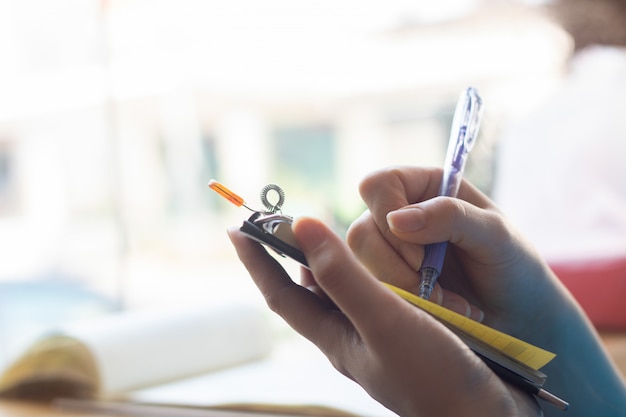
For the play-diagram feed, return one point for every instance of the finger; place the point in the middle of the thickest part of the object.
(470, 228)
(308, 281)
(396, 265)
(300, 308)
(386, 191)
(383, 261)
(349, 285)
(459, 304)
(392, 188)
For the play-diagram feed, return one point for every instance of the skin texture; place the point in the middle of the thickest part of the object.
(400, 355)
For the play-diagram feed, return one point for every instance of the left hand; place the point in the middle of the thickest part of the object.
(399, 354)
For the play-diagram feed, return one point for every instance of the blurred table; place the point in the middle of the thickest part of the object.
(23, 409)
(615, 343)
(78, 408)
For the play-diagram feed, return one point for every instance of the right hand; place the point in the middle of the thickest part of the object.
(489, 266)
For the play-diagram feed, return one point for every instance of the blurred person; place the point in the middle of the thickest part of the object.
(561, 177)
(399, 354)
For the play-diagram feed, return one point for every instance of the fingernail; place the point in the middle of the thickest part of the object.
(477, 314)
(406, 219)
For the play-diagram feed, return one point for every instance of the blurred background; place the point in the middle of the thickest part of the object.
(115, 114)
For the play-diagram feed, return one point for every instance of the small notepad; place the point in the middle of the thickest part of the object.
(523, 352)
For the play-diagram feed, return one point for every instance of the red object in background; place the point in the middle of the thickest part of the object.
(599, 285)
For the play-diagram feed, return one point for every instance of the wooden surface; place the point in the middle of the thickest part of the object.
(17, 409)
(615, 344)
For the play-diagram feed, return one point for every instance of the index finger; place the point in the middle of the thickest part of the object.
(389, 189)
(392, 188)
(384, 191)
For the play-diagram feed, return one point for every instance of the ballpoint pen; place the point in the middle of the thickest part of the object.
(465, 125)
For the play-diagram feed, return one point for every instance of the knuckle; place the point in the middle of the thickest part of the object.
(358, 231)
(458, 209)
(328, 275)
(371, 183)
(275, 300)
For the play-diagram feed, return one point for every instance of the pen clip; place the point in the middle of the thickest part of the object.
(465, 125)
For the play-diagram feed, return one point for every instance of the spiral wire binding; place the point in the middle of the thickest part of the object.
(272, 208)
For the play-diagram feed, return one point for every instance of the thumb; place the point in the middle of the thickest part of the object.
(440, 219)
(345, 280)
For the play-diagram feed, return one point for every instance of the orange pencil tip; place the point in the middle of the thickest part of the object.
(226, 193)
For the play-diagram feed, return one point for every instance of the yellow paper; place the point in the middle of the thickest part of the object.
(530, 355)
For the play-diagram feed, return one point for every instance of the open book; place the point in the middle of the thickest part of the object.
(112, 355)
(231, 358)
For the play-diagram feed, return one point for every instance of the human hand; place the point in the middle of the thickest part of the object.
(399, 354)
(489, 267)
